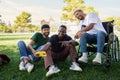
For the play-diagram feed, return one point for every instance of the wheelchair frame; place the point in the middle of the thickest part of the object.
(111, 47)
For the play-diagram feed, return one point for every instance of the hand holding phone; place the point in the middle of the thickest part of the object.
(40, 53)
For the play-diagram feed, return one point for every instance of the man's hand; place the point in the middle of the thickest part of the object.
(64, 43)
(34, 51)
(78, 35)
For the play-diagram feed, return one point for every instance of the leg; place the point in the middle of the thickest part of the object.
(68, 50)
(86, 38)
(48, 61)
(83, 42)
(73, 56)
(26, 56)
(100, 41)
(73, 53)
(25, 52)
(61, 56)
(100, 45)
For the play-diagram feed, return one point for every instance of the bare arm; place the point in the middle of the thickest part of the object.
(46, 46)
(30, 46)
(87, 28)
(73, 42)
(66, 43)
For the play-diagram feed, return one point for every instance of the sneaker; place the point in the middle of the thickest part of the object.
(75, 67)
(22, 66)
(83, 59)
(97, 60)
(29, 67)
(52, 70)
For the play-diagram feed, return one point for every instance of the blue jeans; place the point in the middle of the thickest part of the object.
(25, 52)
(98, 39)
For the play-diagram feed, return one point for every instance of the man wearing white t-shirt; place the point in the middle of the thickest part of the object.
(92, 32)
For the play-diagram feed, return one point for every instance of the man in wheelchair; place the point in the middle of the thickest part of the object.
(92, 32)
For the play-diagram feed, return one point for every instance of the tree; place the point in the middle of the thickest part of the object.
(33, 28)
(22, 21)
(71, 6)
(3, 27)
(116, 21)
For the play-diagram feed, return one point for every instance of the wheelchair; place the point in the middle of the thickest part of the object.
(111, 46)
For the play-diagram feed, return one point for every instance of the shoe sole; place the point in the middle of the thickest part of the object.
(31, 68)
(81, 61)
(76, 70)
(21, 69)
(95, 62)
(52, 73)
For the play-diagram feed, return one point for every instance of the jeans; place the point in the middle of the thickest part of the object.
(25, 52)
(98, 39)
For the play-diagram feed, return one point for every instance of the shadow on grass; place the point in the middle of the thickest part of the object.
(3, 39)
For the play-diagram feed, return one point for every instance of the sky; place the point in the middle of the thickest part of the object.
(44, 9)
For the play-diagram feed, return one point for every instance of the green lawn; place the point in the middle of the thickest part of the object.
(8, 45)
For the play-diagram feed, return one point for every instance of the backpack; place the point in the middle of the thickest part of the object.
(4, 59)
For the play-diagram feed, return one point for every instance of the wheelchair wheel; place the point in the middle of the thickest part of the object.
(115, 49)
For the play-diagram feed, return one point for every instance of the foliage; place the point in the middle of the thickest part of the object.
(22, 21)
(4, 27)
(116, 21)
(54, 28)
(71, 6)
(33, 28)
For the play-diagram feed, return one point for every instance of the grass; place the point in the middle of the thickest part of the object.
(8, 45)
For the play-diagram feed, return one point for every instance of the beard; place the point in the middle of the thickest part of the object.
(81, 18)
(46, 34)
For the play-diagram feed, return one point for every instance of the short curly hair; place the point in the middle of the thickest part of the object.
(45, 26)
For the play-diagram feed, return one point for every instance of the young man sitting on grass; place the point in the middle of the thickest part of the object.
(36, 43)
(58, 48)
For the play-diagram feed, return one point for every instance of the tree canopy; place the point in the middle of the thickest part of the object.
(71, 6)
(22, 21)
(116, 21)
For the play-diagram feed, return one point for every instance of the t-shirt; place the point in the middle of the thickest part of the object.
(93, 18)
(56, 46)
(39, 40)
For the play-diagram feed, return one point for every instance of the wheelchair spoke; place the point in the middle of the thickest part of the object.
(115, 48)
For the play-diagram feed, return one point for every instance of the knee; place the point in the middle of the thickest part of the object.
(70, 46)
(20, 43)
(100, 33)
(48, 50)
(84, 37)
(84, 34)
